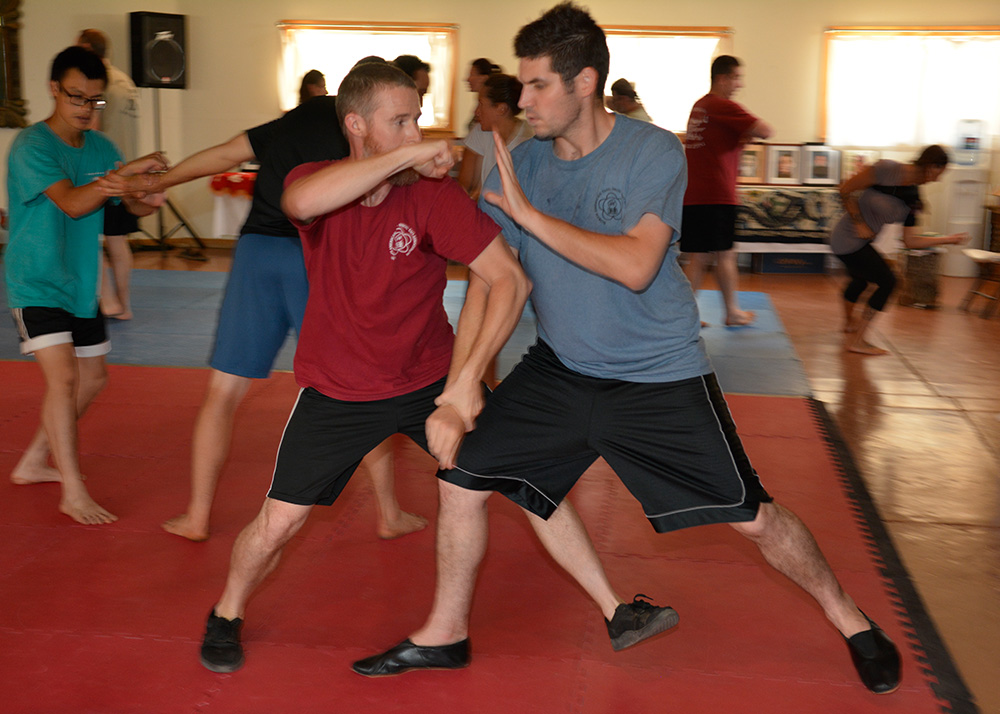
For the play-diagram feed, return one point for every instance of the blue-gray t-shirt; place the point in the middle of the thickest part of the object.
(599, 327)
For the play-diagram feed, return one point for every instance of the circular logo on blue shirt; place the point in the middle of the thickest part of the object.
(610, 205)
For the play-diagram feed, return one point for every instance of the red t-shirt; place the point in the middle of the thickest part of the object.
(713, 143)
(375, 325)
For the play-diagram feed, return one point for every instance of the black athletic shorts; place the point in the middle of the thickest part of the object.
(674, 444)
(708, 229)
(325, 440)
(40, 327)
(118, 221)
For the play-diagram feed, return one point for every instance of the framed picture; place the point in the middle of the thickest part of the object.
(751, 168)
(853, 160)
(820, 166)
(783, 163)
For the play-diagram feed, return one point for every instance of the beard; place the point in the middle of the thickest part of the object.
(406, 177)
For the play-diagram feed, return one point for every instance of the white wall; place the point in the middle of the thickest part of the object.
(233, 54)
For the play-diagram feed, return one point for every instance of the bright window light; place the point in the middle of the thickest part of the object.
(333, 48)
(669, 67)
(910, 86)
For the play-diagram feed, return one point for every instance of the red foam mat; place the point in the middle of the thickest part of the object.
(108, 619)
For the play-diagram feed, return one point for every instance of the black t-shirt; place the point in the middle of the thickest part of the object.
(310, 132)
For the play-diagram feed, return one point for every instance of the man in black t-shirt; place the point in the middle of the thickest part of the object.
(265, 297)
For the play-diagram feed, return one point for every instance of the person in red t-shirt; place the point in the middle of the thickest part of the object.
(717, 129)
(376, 355)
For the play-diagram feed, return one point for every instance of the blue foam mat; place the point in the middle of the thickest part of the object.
(176, 311)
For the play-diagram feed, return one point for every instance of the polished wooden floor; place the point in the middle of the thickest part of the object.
(923, 426)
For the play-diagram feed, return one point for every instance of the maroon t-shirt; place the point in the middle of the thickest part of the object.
(375, 325)
(713, 143)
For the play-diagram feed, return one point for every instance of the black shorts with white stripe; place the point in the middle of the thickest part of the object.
(674, 445)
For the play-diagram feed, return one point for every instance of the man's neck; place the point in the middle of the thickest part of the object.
(376, 195)
(69, 134)
(585, 134)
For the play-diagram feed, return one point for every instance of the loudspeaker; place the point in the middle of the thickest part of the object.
(158, 54)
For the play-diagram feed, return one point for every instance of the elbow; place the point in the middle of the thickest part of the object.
(293, 205)
(638, 280)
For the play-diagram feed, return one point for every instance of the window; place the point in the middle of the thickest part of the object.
(334, 47)
(670, 67)
(910, 86)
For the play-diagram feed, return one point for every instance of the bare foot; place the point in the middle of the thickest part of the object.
(84, 509)
(406, 523)
(865, 348)
(28, 473)
(185, 527)
(741, 318)
(112, 308)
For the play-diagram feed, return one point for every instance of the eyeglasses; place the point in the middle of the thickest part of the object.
(78, 100)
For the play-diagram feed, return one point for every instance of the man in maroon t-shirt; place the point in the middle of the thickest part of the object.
(376, 355)
(717, 129)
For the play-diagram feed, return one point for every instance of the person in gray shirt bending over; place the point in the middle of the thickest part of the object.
(874, 197)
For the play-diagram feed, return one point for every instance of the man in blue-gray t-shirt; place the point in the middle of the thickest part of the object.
(593, 206)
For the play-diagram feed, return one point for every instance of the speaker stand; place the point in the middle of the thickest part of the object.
(163, 235)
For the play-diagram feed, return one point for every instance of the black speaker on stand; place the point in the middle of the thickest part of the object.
(159, 61)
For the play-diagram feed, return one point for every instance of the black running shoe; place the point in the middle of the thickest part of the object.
(221, 650)
(638, 620)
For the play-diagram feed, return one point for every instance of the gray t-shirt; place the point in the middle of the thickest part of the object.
(596, 326)
(877, 209)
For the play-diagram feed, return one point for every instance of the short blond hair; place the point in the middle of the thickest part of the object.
(359, 90)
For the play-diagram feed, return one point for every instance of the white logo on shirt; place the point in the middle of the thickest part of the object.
(402, 241)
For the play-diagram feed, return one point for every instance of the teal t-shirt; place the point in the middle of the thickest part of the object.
(52, 260)
(596, 326)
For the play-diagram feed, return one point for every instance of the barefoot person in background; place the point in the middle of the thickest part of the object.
(268, 281)
(52, 262)
(717, 130)
(884, 193)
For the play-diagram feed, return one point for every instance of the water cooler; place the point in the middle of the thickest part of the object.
(966, 183)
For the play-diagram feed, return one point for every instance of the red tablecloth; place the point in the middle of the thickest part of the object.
(234, 183)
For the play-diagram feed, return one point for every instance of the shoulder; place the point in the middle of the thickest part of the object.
(646, 141)
(35, 135)
(119, 77)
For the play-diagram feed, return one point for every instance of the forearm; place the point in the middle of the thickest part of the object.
(627, 259)
(205, 163)
(488, 318)
(915, 241)
(76, 201)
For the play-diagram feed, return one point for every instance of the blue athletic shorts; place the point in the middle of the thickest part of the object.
(265, 298)
(673, 444)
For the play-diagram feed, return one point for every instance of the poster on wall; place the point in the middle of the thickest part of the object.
(820, 166)
(752, 160)
(853, 160)
(783, 163)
